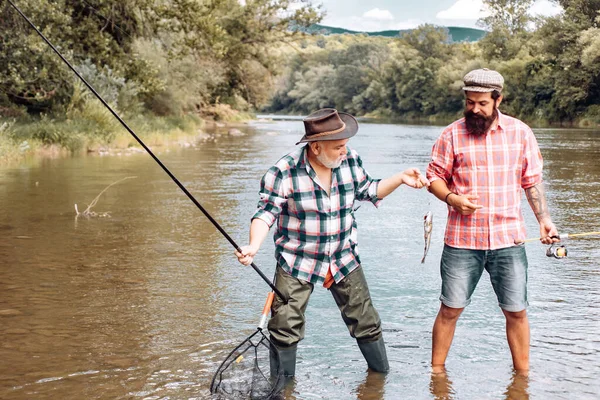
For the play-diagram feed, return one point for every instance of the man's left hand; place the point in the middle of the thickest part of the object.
(547, 230)
(413, 178)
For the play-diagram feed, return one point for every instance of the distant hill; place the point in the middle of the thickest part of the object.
(457, 34)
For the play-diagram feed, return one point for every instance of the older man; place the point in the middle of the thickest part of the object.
(309, 194)
(478, 167)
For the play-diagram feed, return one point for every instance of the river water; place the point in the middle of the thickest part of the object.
(146, 303)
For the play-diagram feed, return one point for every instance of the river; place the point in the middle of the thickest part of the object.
(145, 303)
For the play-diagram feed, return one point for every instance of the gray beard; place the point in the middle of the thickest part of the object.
(328, 163)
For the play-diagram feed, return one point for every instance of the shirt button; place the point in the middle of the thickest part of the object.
(334, 213)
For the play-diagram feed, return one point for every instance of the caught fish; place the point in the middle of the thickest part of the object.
(427, 228)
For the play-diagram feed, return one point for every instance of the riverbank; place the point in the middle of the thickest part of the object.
(49, 138)
(586, 122)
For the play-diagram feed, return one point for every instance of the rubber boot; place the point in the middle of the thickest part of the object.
(287, 360)
(375, 355)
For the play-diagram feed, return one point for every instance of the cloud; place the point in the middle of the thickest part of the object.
(545, 8)
(464, 10)
(380, 15)
(475, 9)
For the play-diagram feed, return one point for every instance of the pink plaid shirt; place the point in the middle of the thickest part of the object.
(495, 167)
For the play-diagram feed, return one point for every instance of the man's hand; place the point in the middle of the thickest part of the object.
(464, 204)
(246, 256)
(412, 177)
(547, 230)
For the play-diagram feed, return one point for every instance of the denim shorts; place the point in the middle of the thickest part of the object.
(461, 270)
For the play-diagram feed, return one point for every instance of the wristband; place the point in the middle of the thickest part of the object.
(446, 198)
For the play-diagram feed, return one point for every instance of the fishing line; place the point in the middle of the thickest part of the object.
(179, 184)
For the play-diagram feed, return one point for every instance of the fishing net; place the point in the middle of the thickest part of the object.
(246, 373)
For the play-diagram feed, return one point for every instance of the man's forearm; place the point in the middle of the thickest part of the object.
(388, 185)
(439, 189)
(536, 196)
(259, 230)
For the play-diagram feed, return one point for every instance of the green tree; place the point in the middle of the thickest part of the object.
(510, 15)
(569, 48)
(430, 40)
(238, 40)
(507, 23)
(32, 75)
(237, 36)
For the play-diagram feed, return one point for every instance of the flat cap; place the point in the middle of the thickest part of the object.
(483, 80)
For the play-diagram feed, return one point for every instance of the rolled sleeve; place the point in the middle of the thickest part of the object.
(442, 158)
(533, 163)
(366, 187)
(272, 196)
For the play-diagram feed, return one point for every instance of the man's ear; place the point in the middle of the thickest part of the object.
(499, 100)
(315, 147)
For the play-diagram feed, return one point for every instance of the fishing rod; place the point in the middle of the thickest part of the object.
(565, 236)
(177, 182)
(560, 251)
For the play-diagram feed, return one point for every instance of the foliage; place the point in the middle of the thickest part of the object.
(509, 15)
(551, 68)
(219, 51)
(32, 75)
(221, 58)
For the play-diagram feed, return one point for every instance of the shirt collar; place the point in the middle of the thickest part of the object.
(304, 163)
(498, 123)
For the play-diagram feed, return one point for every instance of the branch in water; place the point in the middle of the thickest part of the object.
(88, 213)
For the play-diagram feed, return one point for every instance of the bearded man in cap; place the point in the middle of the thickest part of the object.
(479, 165)
(309, 195)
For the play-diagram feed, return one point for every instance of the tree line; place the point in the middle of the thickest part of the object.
(551, 68)
(216, 57)
(167, 57)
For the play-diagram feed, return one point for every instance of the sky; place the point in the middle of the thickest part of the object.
(378, 15)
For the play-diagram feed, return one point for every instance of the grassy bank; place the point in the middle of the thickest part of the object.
(52, 137)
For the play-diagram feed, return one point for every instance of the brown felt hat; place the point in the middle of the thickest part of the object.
(328, 124)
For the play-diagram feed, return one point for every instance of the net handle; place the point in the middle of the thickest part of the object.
(265, 312)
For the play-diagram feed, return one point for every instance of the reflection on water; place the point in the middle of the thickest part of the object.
(518, 389)
(373, 386)
(148, 302)
(441, 386)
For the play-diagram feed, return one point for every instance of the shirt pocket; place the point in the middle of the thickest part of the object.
(302, 202)
(346, 195)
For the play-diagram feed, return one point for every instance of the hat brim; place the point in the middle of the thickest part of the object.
(479, 89)
(349, 131)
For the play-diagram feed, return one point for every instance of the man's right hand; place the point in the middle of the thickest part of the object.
(464, 204)
(246, 255)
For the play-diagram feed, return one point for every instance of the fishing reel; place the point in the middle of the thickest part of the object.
(556, 251)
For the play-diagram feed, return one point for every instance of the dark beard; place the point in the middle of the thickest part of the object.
(478, 124)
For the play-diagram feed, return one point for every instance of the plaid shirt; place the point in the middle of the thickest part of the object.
(315, 231)
(495, 167)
